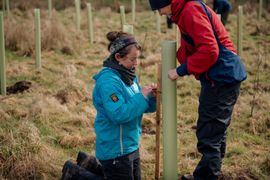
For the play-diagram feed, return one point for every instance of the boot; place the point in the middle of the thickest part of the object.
(187, 177)
(90, 163)
(72, 171)
(69, 171)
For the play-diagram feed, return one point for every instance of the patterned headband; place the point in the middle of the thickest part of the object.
(120, 43)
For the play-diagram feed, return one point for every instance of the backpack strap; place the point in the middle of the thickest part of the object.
(210, 19)
(189, 39)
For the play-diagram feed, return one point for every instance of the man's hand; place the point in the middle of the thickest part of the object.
(172, 74)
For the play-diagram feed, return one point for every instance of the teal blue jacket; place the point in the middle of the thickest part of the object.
(119, 113)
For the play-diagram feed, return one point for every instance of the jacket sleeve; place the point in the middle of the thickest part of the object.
(118, 109)
(152, 103)
(150, 100)
(181, 53)
(181, 56)
(198, 27)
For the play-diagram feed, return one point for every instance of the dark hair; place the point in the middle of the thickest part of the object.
(113, 35)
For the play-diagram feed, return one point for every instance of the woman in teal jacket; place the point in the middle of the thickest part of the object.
(120, 103)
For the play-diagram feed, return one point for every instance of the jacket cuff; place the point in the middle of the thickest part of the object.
(182, 70)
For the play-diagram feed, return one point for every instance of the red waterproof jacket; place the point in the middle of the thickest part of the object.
(193, 21)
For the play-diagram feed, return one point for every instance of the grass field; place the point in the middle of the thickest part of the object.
(42, 128)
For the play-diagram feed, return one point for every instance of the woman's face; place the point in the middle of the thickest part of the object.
(131, 59)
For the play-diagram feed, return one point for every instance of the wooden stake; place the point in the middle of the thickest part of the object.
(240, 30)
(157, 172)
(2, 56)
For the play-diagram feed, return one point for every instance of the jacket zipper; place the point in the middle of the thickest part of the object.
(121, 142)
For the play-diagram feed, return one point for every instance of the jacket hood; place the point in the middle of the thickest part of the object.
(103, 71)
(177, 7)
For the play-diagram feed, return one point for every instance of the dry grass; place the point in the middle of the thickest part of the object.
(20, 37)
(50, 123)
(54, 36)
(18, 157)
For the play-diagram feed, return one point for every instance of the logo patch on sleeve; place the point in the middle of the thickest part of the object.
(114, 98)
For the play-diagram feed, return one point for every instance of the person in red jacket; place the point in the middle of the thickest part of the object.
(207, 53)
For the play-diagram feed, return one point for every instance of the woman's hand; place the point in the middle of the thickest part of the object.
(146, 91)
(154, 90)
(149, 91)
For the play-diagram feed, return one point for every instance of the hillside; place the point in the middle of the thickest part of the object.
(49, 123)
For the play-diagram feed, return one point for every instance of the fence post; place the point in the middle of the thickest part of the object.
(177, 36)
(158, 21)
(240, 30)
(7, 6)
(37, 38)
(3, 6)
(50, 8)
(260, 9)
(219, 16)
(122, 16)
(2, 56)
(133, 11)
(128, 28)
(78, 14)
(168, 49)
(90, 23)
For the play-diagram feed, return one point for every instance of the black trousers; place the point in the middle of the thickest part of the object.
(215, 110)
(127, 167)
(87, 175)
